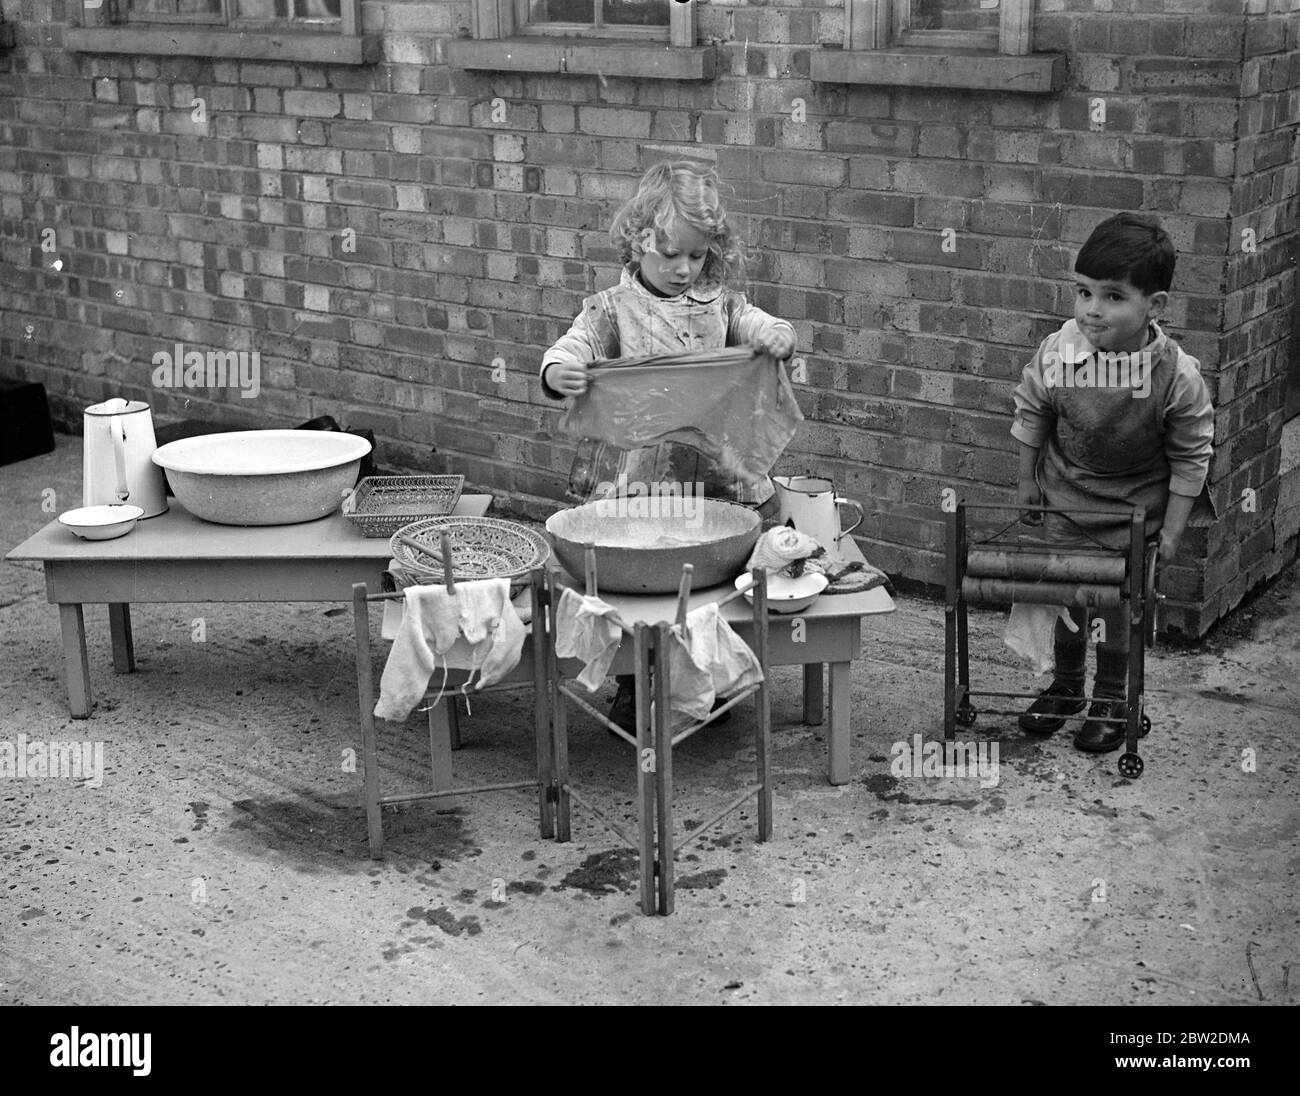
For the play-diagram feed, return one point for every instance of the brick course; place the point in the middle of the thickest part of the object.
(477, 231)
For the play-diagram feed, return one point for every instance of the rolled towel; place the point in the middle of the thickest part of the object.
(783, 549)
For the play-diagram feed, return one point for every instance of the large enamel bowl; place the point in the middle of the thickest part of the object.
(263, 477)
(641, 546)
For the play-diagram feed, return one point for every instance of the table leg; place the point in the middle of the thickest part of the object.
(838, 738)
(119, 624)
(813, 697)
(440, 748)
(75, 666)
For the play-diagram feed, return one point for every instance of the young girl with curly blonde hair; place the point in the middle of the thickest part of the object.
(679, 251)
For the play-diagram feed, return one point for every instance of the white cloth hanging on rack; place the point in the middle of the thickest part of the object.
(714, 661)
(479, 612)
(584, 630)
(1031, 633)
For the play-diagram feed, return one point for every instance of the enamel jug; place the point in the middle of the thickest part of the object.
(811, 504)
(117, 460)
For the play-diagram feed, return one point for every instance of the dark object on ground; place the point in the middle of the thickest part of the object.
(25, 427)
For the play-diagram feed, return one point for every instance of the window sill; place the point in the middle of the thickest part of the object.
(175, 41)
(647, 60)
(1034, 73)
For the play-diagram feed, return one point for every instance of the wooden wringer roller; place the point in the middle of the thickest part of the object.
(997, 571)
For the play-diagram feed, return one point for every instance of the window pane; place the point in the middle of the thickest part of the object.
(262, 9)
(636, 13)
(955, 14)
(286, 9)
(172, 7)
(562, 11)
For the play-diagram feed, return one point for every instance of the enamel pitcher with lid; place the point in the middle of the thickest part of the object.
(117, 460)
(811, 504)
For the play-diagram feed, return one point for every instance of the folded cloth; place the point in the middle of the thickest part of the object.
(433, 620)
(1031, 633)
(778, 548)
(583, 629)
(713, 662)
(852, 577)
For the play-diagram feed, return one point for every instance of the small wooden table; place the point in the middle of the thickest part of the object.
(175, 557)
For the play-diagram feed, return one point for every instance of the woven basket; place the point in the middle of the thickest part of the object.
(481, 548)
(381, 505)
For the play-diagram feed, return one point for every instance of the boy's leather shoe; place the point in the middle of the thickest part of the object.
(1049, 712)
(1096, 737)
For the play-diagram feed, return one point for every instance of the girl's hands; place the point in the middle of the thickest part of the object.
(779, 343)
(567, 378)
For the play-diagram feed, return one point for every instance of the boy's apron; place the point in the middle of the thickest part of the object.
(1107, 450)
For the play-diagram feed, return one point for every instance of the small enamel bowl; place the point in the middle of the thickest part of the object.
(785, 594)
(102, 522)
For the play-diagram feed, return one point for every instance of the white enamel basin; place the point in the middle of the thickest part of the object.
(263, 477)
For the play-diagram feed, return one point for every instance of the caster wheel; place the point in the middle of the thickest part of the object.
(1146, 727)
(1130, 765)
(966, 715)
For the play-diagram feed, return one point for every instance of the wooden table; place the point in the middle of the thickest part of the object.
(175, 557)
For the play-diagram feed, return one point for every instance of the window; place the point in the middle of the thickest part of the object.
(982, 44)
(650, 39)
(317, 30)
(595, 18)
(278, 14)
(170, 11)
(955, 23)
(999, 25)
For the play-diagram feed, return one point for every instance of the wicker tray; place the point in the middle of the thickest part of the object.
(480, 547)
(381, 505)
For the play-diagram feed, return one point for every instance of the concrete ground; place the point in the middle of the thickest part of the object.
(223, 859)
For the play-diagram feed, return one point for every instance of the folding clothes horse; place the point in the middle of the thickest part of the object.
(655, 737)
(531, 673)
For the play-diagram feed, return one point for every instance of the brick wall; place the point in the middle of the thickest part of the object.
(473, 240)
(1244, 548)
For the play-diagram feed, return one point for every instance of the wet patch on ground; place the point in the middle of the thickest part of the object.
(444, 919)
(705, 880)
(321, 833)
(610, 872)
(885, 787)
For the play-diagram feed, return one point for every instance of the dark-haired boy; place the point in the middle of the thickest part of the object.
(1110, 413)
